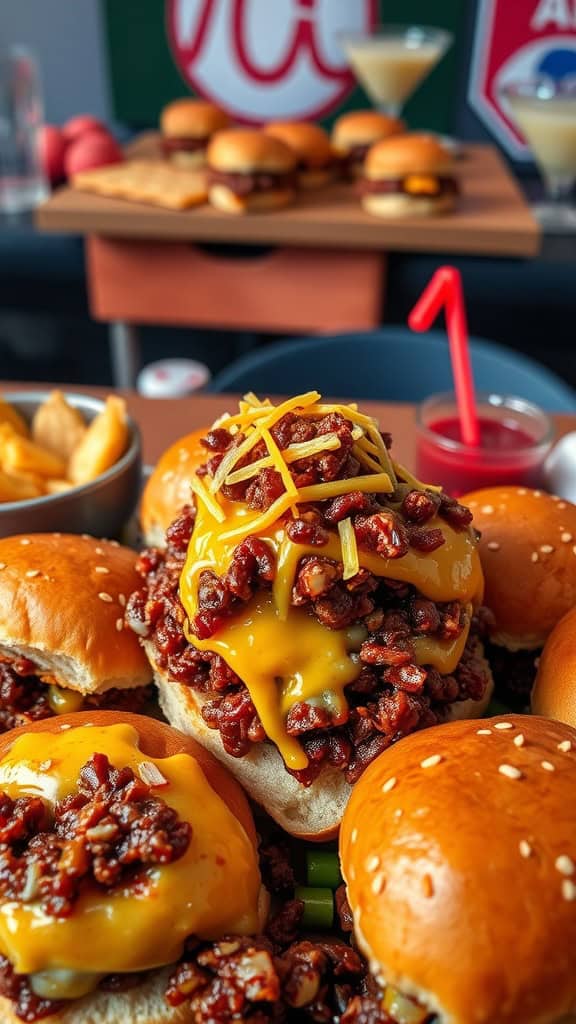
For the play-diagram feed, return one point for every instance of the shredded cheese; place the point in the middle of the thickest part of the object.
(365, 459)
(209, 501)
(261, 523)
(409, 478)
(350, 559)
(279, 464)
(376, 483)
(293, 453)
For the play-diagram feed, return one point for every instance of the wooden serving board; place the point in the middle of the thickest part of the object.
(492, 217)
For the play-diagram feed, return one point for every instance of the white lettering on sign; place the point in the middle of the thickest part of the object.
(554, 13)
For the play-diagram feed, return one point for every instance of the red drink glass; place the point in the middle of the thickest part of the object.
(516, 437)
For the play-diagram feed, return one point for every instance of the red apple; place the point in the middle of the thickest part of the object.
(92, 150)
(81, 125)
(51, 149)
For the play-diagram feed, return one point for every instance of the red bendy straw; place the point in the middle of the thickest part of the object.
(445, 289)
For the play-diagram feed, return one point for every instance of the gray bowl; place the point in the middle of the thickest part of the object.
(101, 507)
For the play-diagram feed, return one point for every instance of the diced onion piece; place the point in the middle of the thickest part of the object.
(402, 1009)
(208, 500)
(151, 775)
(350, 560)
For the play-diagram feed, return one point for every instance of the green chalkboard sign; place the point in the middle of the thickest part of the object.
(161, 49)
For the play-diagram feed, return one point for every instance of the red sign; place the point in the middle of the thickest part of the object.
(516, 40)
(263, 59)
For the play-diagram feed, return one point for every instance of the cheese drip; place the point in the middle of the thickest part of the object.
(210, 891)
(284, 654)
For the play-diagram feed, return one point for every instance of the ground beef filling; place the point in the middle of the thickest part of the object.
(244, 184)
(435, 186)
(392, 695)
(183, 144)
(25, 698)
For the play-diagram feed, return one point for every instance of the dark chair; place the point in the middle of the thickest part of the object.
(391, 365)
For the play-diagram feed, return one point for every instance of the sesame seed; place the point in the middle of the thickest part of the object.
(114, 543)
(522, 491)
(493, 545)
(57, 534)
(389, 784)
(504, 725)
(24, 541)
(105, 597)
(431, 762)
(546, 549)
(398, 813)
(548, 766)
(352, 873)
(569, 890)
(487, 509)
(378, 884)
(2, 565)
(525, 849)
(566, 538)
(509, 771)
(484, 732)
(86, 536)
(534, 556)
(45, 766)
(537, 494)
(99, 551)
(372, 863)
(101, 569)
(565, 746)
(519, 740)
(65, 726)
(354, 835)
(561, 504)
(119, 625)
(167, 475)
(122, 600)
(565, 865)
(32, 573)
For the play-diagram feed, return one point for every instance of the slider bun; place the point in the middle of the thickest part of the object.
(312, 813)
(402, 205)
(145, 1002)
(363, 127)
(57, 619)
(554, 693)
(526, 597)
(310, 142)
(446, 907)
(168, 488)
(223, 198)
(245, 150)
(407, 154)
(192, 119)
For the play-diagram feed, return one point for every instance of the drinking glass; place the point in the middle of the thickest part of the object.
(393, 59)
(545, 112)
(22, 184)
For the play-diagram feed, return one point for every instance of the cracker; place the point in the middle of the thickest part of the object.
(146, 181)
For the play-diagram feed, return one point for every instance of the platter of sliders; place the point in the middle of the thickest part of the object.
(371, 184)
(306, 753)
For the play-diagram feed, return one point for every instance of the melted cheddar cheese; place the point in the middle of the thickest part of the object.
(213, 889)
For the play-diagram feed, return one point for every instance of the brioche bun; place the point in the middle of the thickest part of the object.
(455, 871)
(554, 693)
(527, 553)
(312, 147)
(402, 205)
(167, 489)
(363, 127)
(62, 597)
(407, 154)
(224, 199)
(192, 119)
(245, 150)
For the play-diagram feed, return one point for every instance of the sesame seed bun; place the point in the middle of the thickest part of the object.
(407, 154)
(168, 487)
(62, 602)
(224, 199)
(554, 693)
(363, 127)
(192, 119)
(528, 554)
(458, 849)
(244, 150)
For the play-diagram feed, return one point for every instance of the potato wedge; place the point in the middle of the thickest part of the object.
(19, 488)
(103, 443)
(19, 455)
(57, 426)
(8, 414)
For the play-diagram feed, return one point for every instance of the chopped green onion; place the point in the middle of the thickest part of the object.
(323, 869)
(318, 906)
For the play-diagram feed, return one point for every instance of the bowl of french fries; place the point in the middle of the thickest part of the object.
(68, 462)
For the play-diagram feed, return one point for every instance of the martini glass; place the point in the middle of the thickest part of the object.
(393, 59)
(545, 112)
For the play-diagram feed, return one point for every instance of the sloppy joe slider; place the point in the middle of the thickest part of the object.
(187, 126)
(167, 489)
(408, 175)
(63, 643)
(320, 605)
(125, 848)
(356, 131)
(311, 144)
(250, 171)
(458, 849)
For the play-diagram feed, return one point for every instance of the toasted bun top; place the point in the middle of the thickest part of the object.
(168, 488)
(407, 154)
(309, 142)
(554, 693)
(243, 150)
(363, 127)
(62, 600)
(194, 119)
(459, 875)
(528, 556)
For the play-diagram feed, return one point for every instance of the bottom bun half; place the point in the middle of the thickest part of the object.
(188, 160)
(223, 198)
(308, 812)
(399, 205)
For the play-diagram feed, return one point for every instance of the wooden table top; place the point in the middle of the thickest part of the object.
(492, 217)
(163, 420)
